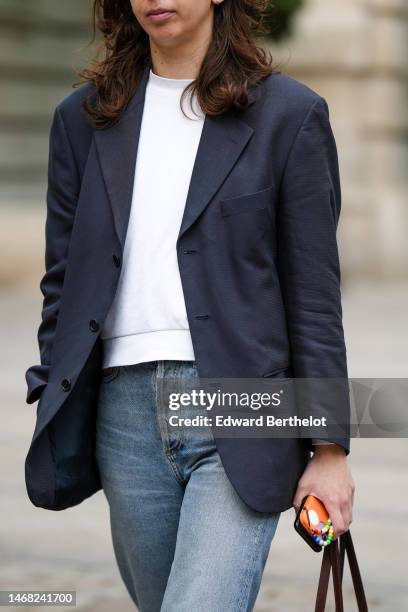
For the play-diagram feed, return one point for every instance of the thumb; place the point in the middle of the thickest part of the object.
(298, 499)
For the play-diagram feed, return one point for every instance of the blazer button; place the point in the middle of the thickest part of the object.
(93, 325)
(116, 260)
(66, 384)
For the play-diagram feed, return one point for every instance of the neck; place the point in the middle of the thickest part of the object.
(181, 62)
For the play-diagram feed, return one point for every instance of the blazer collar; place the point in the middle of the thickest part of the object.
(222, 140)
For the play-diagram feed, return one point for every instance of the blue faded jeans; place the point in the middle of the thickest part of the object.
(183, 539)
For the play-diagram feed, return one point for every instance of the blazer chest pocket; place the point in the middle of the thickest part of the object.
(247, 203)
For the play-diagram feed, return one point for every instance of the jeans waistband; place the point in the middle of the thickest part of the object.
(156, 365)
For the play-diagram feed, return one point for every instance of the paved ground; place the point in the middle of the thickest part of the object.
(72, 549)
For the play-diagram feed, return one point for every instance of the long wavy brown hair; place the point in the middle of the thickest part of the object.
(232, 64)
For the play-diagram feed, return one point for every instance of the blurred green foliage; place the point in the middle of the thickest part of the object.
(279, 17)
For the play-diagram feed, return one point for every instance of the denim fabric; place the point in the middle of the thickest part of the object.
(183, 538)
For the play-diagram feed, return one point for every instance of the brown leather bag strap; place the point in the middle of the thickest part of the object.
(323, 585)
(355, 572)
(331, 561)
(342, 556)
(337, 577)
(334, 560)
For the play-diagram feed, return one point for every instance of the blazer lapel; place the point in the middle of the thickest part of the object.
(117, 151)
(222, 140)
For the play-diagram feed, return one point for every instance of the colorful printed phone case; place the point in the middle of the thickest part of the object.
(313, 523)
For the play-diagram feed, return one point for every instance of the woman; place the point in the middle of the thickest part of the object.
(182, 244)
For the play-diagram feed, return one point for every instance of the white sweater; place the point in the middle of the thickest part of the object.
(147, 320)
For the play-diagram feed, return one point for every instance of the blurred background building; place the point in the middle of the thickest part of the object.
(42, 42)
(354, 53)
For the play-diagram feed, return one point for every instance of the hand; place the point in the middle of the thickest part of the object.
(327, 476)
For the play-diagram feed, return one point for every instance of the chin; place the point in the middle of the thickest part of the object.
(166, 34)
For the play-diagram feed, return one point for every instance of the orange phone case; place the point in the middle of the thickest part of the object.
(312, 514)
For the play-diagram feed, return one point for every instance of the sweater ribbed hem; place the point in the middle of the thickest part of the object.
(172, 344)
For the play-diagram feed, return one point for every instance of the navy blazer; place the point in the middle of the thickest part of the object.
(259, 267)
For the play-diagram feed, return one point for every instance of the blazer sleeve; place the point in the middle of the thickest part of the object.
(62, 195)
(308, 261)
(319, 442)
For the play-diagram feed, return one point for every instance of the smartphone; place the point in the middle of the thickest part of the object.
(312, 514)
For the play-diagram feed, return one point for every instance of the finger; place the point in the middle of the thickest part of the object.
(347, 514)
(352, 496)
(337, 520)
(347, 508)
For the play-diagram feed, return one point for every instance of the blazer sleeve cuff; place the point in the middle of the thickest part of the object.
(344, 443)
